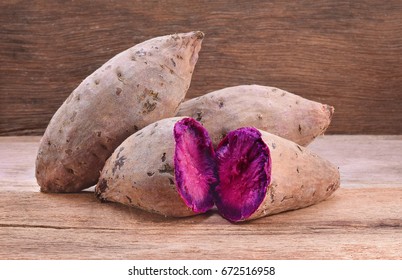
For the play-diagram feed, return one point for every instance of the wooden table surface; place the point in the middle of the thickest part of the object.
(363, 220)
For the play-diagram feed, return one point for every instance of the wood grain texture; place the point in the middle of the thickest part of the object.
(344, 53)
(363, 220)
(364, 161)
(17, 167)
(77, 226)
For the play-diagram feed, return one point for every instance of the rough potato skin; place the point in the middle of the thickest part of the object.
(140, 172)
(267, 108)
(133, 89)
(299, 178)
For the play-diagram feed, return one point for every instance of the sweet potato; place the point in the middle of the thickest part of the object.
(267, 108)
(133, 89)
(262, 174)
(167, 167)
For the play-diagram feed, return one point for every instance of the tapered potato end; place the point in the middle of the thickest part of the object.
(263, 174)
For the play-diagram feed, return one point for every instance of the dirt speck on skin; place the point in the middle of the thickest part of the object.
(150, 174)
(73, 117)
(163, 158)
(272, 194)
(101, 188)
(141, 53)
(331, 187)
(199, 116)
(171, 182)
(118, 164)
(129, 199)
(286, 197)
(120, 76)
(166, 168)
(151, 93)
(148, 107)
(69, 170)
(118, 91)
(118, 153)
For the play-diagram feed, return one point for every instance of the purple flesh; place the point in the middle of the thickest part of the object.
(195, 166)
(244, 168)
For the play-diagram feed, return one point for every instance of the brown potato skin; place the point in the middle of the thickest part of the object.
(299, 178)
(140, 172)
(133, 89)
(267, 108)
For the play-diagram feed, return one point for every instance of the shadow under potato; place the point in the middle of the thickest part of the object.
(84, 210)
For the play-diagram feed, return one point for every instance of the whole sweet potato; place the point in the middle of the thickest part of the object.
(133, 89)
(262, 174)
(167, 167)
(267, 108)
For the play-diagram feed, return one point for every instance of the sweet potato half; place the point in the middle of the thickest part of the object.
(263, 174)
(167, 167)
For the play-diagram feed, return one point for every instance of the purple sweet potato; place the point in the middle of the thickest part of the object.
(167, 167)
(137, 87)
(267, 108)
(262, 174)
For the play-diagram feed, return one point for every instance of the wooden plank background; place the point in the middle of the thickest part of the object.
(344, 53)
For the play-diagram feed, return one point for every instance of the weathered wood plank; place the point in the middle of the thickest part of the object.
(17, 164)
(354, 224)
(364, 161)
(345, 53)
(45, 243)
